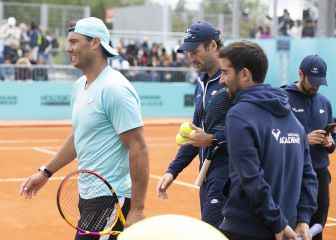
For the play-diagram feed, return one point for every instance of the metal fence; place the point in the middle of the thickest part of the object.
(48, 16)
(9, 72)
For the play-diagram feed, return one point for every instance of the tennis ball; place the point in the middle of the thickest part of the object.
(185, 129)
(180, 140)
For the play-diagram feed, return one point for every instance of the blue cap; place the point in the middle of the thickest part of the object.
(95, 28)
(197, 33)
(315, 68)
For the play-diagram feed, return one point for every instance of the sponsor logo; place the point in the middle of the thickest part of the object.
(214, 201)
(322, 111)
(276, 133)
(56, 100)
(8, 100)
(315, 70)
(290, 138)
(298, 110)
(213, 92)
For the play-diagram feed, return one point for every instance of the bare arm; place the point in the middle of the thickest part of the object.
(139, 168)
(63, 157)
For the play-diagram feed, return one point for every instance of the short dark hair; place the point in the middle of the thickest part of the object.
(246, 54)
(218, 42)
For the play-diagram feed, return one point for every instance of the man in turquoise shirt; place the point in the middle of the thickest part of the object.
(107, 134)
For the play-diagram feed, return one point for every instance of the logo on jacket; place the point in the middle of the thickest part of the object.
(213, 92)
(298, 110)
(291, 138)
(276, 133)
(322, 111)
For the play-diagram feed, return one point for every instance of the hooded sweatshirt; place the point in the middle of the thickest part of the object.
(314, 112)
(272, 182)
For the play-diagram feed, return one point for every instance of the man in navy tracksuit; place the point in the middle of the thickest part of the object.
(202, 43)
(314, 112)
(272, 186)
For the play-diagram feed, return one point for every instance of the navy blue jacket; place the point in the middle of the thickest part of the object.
(211, 105)
(272, 181)
(314, 112)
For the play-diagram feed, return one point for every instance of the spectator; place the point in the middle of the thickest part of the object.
(308, 29)
(11, 36)
(285, 23)
(23, 73)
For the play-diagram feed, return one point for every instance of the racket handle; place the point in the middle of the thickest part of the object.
(201, 176)
(314, 230)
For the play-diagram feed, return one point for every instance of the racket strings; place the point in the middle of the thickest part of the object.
(96, 215)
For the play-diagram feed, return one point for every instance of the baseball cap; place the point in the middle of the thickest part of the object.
(315, 68)
(11, 21)
(197, 33)
(95, 28)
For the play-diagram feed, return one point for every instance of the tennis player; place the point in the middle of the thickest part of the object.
(314, 112)
(201, 44)
(107, 127)
(273, 186)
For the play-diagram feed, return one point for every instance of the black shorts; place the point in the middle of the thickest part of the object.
(87, 205)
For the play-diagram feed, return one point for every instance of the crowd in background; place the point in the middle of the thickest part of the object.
(25, 45)
(305, 27)
(149, 55)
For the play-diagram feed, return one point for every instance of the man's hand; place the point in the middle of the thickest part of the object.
(133, 216)
(286, 234)
(199, 138)
(163, 184)
(317, 137)
(32, 185)
(328, 141)
(302, 230)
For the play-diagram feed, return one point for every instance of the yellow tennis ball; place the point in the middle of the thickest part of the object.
(181, 140)
(171, 227)
(185, 129)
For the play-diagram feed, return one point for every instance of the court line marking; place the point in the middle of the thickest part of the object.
(332, 219)
(63, 139)
(177, 182)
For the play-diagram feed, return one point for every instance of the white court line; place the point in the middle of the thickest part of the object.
(332, 219)
(15, 148)
(63, 139)
(22, 179)
(330, 225)
(31, 141)
(181, 183)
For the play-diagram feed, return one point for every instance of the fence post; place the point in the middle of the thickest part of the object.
(87, 11)
(1, 10)
(44, 16)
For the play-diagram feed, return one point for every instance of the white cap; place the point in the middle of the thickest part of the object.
(11, 21)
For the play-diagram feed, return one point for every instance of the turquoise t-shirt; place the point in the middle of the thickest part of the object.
(108, 107)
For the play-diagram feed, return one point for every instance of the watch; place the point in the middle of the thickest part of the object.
(45, 171)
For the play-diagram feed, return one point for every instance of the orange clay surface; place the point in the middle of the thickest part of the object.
(24, 149)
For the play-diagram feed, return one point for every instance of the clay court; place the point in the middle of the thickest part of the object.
(24, 148)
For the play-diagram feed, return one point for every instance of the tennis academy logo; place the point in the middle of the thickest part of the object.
(291, 138)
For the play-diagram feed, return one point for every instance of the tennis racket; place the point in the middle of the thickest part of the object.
(205, 166)
(88, 203)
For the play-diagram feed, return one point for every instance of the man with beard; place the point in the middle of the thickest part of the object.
(272, 185)
(201, 44)
(314, 112)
